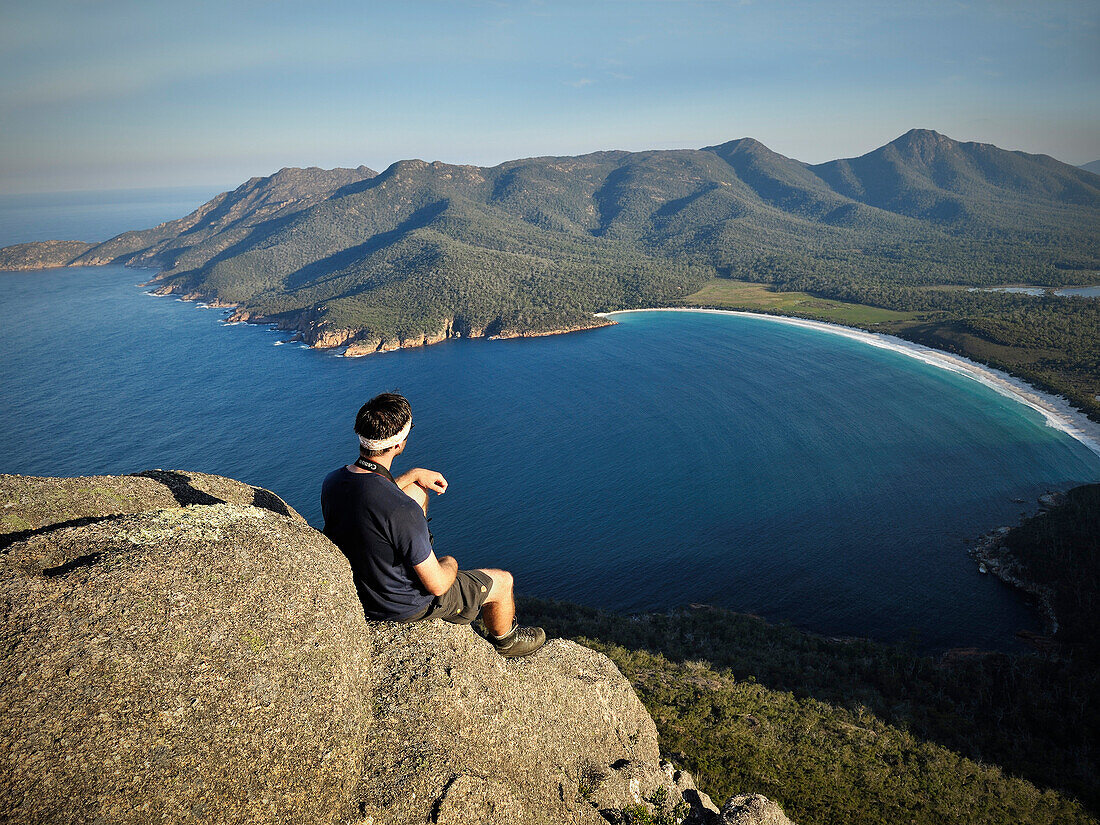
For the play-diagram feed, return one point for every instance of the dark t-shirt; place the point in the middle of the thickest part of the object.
(383, 533)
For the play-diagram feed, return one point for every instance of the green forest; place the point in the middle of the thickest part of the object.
(849, 730)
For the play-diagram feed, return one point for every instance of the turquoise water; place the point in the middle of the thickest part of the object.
(673, 458)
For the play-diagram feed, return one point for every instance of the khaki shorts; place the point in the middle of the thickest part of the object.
(462, 602)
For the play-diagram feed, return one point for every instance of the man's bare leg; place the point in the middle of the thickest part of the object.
(417, 494)
(499, 612)
(499, 609)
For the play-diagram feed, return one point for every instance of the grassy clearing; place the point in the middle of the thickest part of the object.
(724, 293)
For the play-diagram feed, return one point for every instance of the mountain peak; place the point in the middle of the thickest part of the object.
(923, 135)
(922, 141)
(745, 144)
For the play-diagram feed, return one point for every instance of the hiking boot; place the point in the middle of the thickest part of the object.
(519, 641)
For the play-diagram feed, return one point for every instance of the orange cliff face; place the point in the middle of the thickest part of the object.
(596, 323)
(374, 344)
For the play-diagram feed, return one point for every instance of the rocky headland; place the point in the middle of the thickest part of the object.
(995, 557)
(320, 334)
(184, 647)
(41, 255)
(313, 329)
(1054, 557)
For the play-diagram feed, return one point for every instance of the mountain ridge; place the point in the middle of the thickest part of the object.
(426, 250)
(760, 178)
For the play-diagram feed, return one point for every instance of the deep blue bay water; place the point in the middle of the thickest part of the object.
(671, 459)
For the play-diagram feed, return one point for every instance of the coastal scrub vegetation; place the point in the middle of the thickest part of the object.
(820, 762)
(850, 730)
(749, 706)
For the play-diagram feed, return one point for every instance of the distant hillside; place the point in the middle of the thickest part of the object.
(41, 254)
(426, 251)
(225, 221)
(926, 175)
(1093, 167)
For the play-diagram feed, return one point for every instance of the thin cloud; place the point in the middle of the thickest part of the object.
(577, 84)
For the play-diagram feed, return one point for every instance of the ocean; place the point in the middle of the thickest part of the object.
(93, 216)
(674, 458)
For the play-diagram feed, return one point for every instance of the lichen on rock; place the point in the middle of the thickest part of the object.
(752, 809)
(199, 663)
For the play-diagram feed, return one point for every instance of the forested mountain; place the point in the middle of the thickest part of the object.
(424, 251)
(926, 175)
(226, 220)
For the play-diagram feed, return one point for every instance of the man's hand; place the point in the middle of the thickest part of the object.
(430, 480)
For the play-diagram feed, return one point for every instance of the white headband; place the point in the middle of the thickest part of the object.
(386, 443)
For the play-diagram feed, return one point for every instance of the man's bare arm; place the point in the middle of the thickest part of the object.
(428, 479)
(437, 574)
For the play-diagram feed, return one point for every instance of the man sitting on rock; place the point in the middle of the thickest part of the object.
(380, 524)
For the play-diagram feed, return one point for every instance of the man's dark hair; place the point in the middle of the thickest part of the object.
(382, 417)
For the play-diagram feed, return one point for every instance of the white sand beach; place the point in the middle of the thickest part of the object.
(1057, 411)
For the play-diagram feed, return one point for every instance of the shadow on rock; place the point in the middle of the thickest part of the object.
(180, 486)
(7, 539)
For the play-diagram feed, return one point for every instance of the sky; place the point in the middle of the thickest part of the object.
(108, 95)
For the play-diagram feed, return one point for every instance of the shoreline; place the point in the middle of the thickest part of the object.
(1056, 410)
(994, 558)
(346, 345)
